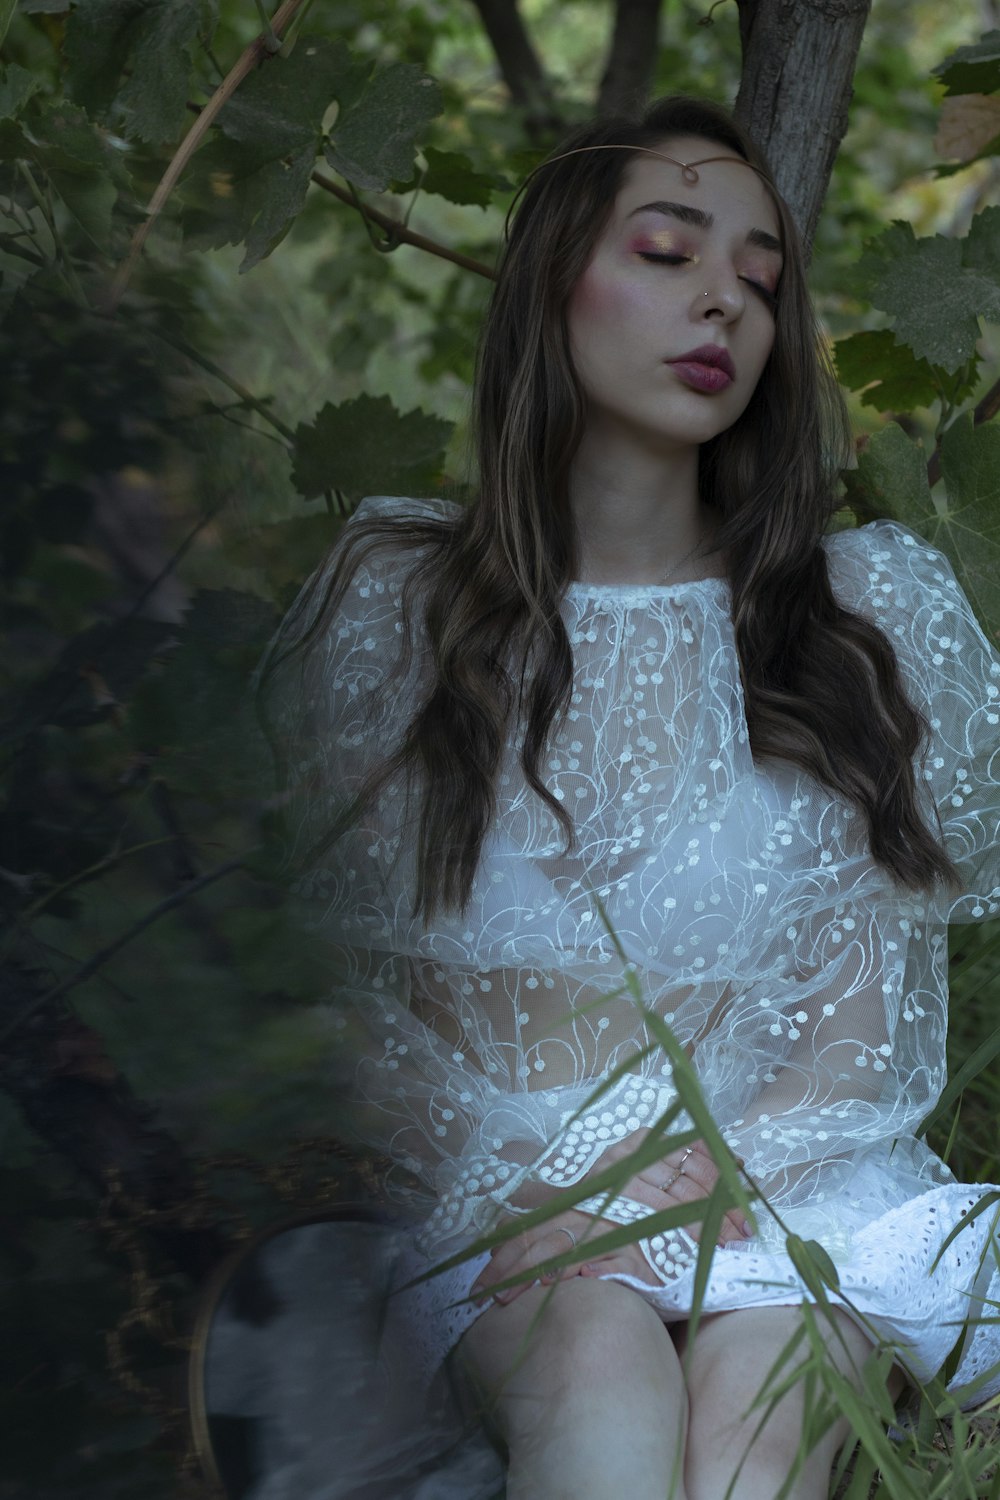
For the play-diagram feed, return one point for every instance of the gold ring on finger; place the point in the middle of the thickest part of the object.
(666, 1186)
(688, 1152)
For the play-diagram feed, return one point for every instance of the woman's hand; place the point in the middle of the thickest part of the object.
(540, 1243)
(681, 1177)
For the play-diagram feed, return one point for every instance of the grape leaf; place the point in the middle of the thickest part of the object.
(152, 40)
(279, 109)
(967, 526)
(240, 193)
(16, 87)
(367, 447)
(373, 139)
(75, 155)
(451, 175)
(890, 374)
(935, 299)
(974, 69)
(891, 478)
(981, 246)
(250, 183)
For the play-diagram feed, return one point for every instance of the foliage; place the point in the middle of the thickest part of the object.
(160, 515)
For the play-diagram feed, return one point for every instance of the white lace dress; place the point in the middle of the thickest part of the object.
(810, 988)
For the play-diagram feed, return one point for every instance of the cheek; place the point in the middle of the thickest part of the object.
(602, 302)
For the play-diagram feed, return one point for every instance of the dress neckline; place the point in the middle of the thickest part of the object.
(641, 592)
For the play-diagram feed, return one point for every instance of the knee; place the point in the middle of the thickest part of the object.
(568, 1338)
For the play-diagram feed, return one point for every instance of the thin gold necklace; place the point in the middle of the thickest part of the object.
(667, 576)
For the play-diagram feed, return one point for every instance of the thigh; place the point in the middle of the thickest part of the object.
(728, 1365)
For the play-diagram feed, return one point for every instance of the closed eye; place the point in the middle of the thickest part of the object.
(765, 292)
(771, 298)
(669, 260)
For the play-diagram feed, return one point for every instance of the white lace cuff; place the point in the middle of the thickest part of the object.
(622, 1210)
(669, 1253)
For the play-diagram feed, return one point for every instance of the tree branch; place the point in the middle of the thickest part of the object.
(262, 47)
(631, 61)
(520, 66)
(397, 231)
(986, 409)
(798, 63)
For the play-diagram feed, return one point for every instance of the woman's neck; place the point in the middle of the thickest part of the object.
(637, 515)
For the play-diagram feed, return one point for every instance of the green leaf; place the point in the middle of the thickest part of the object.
(981, 246)
(935, 299)
(451, 175)
(16, 87)
(280, 107)
(967, 527)
(974, 69)
(367, 447)
(891, 477)
(889, 373)
(151, 39)
(373, 140)
(240, 193)
(250, 183)
(891, 480)
(7, 8)
(85, 170)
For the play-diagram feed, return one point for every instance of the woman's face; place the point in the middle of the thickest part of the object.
(679, 267)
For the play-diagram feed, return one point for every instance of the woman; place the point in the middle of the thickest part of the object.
(638, 700)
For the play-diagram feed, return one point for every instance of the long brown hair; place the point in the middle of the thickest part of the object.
(821, 683)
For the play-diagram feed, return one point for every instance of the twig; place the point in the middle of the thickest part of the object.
(985, 410)
(247, 398)
(261, 48)
(399, 232)
(101, 957)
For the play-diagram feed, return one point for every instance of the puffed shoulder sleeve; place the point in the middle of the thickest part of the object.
(331, 685)
(951, 672)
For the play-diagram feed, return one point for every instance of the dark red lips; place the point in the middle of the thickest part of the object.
(708, 369)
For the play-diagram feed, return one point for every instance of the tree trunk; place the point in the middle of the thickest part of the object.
(631, 62)
(520, 66)
(798, 61)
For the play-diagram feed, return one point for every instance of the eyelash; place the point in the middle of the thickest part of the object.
(677, 260)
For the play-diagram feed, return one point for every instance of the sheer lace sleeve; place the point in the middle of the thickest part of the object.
(952, 673)
(855, 1056)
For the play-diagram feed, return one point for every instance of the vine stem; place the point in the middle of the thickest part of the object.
(261, 48)
(399, 232)
(99, 959)
(985, 410)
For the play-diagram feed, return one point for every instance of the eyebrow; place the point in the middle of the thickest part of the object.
(688, 214)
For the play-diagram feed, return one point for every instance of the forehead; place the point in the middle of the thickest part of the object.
(729, 189)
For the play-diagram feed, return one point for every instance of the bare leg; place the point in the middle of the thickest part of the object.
(590, 1400)
(731, 1356)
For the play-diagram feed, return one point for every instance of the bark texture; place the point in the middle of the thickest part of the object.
(631, 63)
(798, 62)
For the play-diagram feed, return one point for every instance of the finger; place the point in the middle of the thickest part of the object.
(542, 1248)
(698, 1177)
(618, 1263)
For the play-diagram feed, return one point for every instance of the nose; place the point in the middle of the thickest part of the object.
(721, 297)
